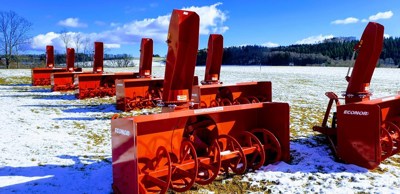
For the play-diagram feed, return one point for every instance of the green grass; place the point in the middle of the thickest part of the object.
(79, 125)
(157, 59)
(97, 139)
(98, 101)
(15, 80)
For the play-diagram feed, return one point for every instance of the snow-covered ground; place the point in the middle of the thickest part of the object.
(52, 143)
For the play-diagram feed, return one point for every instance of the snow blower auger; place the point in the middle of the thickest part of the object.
(154, 153)
(42, 76)
(100, 84)
(363, 132)
(182, 146)
(212, 93)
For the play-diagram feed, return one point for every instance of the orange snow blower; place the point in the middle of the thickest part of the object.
(212, 93)
(143, 91)
(63, 81)
(100, 84)
(363, 131)
(42, 76)
(177, 148)
(146, 93)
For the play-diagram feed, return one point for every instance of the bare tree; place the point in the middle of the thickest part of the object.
(66, 37)
(124, 61)
(14, 31)
(87, 48)
(127, 61)
(77, 39)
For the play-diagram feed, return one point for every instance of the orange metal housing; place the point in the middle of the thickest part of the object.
(49, 56)
(131, 92)
(214, 59)
(368, 131)
(98, 62)
(62, 81)
(138, 142)
(99, 84)
(146, 56)
(183, 41)
(240, 93)
(42, 76)
(70, 59)
(140, 93)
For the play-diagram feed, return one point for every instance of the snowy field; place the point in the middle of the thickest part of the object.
(52, 143)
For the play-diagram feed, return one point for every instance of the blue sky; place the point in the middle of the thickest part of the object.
(120, 24)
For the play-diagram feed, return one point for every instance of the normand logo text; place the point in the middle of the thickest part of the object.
(356, 112)
(122, 132)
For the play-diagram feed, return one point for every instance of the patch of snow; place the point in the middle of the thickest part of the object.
(52, 143)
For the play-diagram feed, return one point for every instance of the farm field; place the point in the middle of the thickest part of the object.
(52, 143)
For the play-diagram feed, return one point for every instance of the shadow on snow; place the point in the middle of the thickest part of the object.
(94, 176)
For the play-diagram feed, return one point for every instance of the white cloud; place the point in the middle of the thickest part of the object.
(40, 41)
(378, 16)
(100, 23)
(314, 39)
(114, 24)
(270, 44)
(112, 46)
(156, 28)
(349, 20)
(212, 19)
(72, 22)
(381, 15)
(153, 4)
(386, 35)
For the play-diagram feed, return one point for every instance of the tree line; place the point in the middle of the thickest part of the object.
(327, 53)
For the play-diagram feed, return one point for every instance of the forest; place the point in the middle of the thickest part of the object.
(330, 52)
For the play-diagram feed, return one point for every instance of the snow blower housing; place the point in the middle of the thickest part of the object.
(363, 131)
